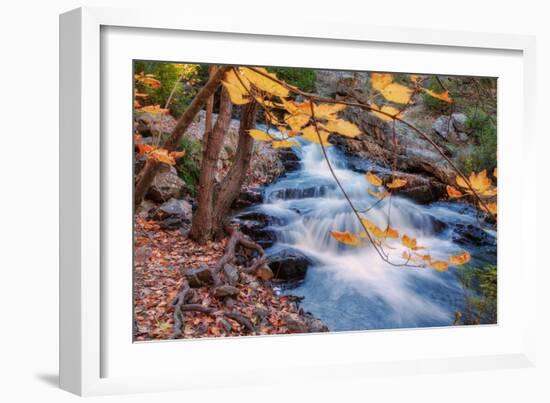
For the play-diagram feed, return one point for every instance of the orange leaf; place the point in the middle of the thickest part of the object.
(442, 96)
(396, 183)
(346, 237)
(453, 193)
(440, 265)
(459, 260)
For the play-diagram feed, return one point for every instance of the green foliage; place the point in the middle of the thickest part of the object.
(185, 75)
(304, 79)
(188, 167)
(434, 104)
(484, 154)
(480, 288)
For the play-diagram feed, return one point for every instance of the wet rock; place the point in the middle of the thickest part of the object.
(422, 194)
(166, 185)
(225, 291)
(231, 274)
(256, 225)
(289, 264)
(199, 277)
(247, 198)
(473, 235)
(289, 159)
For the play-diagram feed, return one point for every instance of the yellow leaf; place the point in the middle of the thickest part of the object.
(459, 260)
(408, 241)
(154, 109)
(311, 134)
(343, 127)
(237, 94)
(272, 119)
(391, 233)
(489, 192)
(442, 96)
(388, 110)
(414, 78)
(396, 183)
(379, 195)
(373, 179)
(283, 144)
(440, 265)
(480, 182)
(327, 111)
(380, 81)
(491, 208)
(297, 122)
(373, 228)
(397, 93)
(453, 193)
(259, 135)
(346, 237)
(264, 83)
(495, 172)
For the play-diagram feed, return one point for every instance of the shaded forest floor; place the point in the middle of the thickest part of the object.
(162, 257)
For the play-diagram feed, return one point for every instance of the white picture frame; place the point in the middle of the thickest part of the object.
(97, 354)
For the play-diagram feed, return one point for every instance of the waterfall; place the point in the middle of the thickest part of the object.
(352, 288)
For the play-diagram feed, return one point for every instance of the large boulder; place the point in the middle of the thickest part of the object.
(173, 214)
(289, 264)
(451, 128)
(166, 185)
(200, 277)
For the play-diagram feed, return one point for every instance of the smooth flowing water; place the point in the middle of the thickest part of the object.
(352, 288)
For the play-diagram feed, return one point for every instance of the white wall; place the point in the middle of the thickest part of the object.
(29, 202)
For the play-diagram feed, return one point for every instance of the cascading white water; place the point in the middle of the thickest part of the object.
(352, 288)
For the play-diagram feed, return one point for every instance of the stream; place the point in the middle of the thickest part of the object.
(352, 288)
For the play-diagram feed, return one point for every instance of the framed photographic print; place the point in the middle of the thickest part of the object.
(268, 194)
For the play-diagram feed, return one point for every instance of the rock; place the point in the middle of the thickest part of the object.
(459, 121)
(166, 185)
(453, 130)
(231, 274)
(295, 323)
(332, 82)
(225, 291)
(289, 159)
(199, 277)
(173, 214)
(316, 326)
(443, 128)
(247, 198)
(264, 273)
(256, 225)
(473, 235)
(176, 207)
(289, 264)
(145, 208)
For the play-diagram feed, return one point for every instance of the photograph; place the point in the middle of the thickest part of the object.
(275, 200)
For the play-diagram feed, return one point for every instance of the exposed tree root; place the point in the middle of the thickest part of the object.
(183, 300)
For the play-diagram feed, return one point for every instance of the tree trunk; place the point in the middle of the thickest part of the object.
(151, 167)
(209, 109)
(201, 230)
(233, 181)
